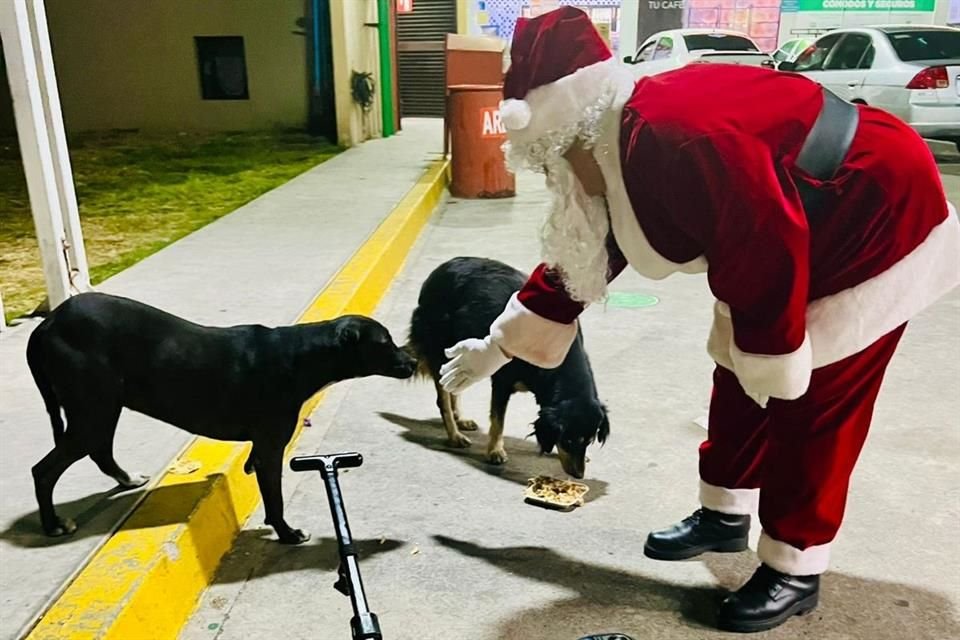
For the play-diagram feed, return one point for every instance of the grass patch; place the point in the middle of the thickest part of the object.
(138, 193)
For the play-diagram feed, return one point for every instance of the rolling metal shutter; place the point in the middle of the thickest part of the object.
(421, 37)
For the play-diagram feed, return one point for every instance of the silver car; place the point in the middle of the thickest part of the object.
(911, 71)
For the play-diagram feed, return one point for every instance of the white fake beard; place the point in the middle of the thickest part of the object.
(574, 235)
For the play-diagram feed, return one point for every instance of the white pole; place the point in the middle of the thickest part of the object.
(58, 146)
(35, 151)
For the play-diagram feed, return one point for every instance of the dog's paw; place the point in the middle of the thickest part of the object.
(467, 425)
(133, 480)
(293, 536)
(459, 441)
(63, 527)
(497, 456)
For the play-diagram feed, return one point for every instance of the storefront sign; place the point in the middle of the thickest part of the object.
(654, 16)
(404, 6)
(867, 5)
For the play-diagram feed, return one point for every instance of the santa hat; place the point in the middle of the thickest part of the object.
(560, 67)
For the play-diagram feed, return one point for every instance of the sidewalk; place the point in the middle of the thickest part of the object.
(449, 550)
(263, 264)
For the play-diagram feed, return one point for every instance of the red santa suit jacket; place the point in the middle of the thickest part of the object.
(700, 175)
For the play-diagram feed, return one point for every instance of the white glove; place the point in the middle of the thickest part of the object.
(470, 362)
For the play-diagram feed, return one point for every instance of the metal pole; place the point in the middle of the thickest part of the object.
(63, 172)
(38, 164)
(386, 66)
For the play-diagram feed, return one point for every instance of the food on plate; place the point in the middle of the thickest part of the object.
(555, 493)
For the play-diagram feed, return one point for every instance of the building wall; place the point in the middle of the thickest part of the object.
(355, 48)
(498, 17)
(801, 21)
(134, 64)
(629, 14)
(948, 12)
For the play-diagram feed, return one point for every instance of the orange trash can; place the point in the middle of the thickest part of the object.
(478, 167)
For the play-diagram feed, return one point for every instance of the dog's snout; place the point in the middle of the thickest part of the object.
(405, 365)
(573, 464)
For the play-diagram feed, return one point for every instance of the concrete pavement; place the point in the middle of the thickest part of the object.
(449, 550)
(262, 263)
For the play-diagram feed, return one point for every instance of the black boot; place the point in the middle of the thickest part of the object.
(767, 600)
(703, 531)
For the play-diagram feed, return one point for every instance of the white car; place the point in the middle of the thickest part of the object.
(911, 71)
(674, 49)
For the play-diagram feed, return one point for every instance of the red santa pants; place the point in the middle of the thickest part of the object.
(799, 453)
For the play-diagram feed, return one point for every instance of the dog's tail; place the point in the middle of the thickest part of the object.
(35, 358)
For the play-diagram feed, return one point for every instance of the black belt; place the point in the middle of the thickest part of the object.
(826, 146)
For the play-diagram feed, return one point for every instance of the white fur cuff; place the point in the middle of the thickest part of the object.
(532, 338)
(734, 502)
(787, 559)
(786, 377)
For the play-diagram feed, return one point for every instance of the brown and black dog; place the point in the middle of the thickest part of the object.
(460, 300)
(96, 353)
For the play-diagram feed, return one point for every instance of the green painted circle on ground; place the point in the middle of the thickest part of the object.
(628, 300)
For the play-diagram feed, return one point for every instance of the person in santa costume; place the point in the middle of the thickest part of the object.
(822, 228)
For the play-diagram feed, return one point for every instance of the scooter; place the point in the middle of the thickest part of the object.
(364, 625)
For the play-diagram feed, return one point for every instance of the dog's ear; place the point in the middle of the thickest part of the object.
(603, 431)
(548, 430)
(348, 334)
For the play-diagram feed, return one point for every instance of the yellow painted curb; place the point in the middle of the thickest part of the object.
(144, 582)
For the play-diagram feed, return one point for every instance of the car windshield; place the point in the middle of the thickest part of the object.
(926, 45)
(718, 42)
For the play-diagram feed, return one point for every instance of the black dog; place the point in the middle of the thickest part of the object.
(460, 300)
(96, 354)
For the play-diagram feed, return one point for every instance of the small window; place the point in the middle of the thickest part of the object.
(812, 59)
(718, 42)
(934, 44)
(645, 53)
(664, 48)
(223, 67)
(849, 53)
(798, 47)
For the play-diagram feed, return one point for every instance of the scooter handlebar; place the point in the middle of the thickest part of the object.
(321, 462)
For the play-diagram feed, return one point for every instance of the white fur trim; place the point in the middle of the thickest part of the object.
(515, 114)
(735, 502)
(523, 334)
(784, 376)
(564, 102)
(788, 559)
(850, 321)
(721, 336)
(630, 237)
